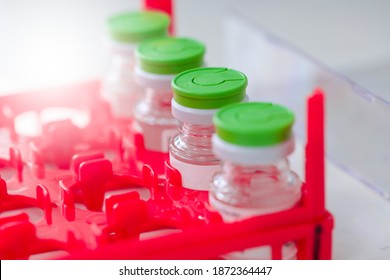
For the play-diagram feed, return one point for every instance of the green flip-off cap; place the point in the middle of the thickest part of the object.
(254, 124)
(209, 88)
(134, 27)
(170, 55)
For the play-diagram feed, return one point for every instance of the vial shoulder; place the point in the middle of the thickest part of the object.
(263, 191)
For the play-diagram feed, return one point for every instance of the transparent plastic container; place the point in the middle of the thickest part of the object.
(198, 94)
(253, 141)
(357, 153)
(158, 61)
(127, 30)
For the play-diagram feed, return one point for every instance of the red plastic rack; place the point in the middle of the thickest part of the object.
(65, 172)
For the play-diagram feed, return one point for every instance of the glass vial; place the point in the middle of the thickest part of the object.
(197, 95)
(158, 61)
(253, 141)
(127, 30)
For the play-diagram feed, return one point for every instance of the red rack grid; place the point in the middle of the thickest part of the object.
(65, 173)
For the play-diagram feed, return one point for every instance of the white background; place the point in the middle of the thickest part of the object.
(45, 42)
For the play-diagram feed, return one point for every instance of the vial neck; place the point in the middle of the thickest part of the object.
(158, 99)
(277, 169)
(122, 62)
(193, 144)
(196, 135)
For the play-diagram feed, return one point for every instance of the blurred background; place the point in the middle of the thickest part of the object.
(45, 43)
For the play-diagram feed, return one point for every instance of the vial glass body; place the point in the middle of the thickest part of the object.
(191, 153)
(153, 118)
(244, 191)
(118, 84)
